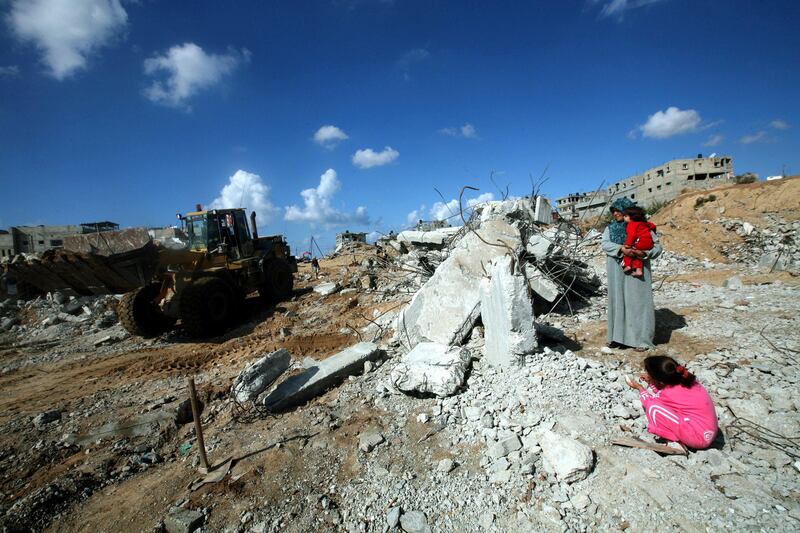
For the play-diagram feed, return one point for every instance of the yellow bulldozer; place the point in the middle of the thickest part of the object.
(200, 279)
(205, 284)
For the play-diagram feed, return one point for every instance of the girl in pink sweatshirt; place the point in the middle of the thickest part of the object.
(677, 407)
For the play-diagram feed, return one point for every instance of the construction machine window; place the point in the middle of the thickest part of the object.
(202, 235)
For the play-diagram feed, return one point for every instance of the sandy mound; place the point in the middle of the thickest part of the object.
(689, 225)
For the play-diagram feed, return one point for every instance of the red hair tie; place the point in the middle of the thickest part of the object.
(681, 370)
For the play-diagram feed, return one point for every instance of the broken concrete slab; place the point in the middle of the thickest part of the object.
(540, 284)
(436, 237)
(566, 458)
(260, 374)
(327, 288)
(432, 368)
(507, 314)
(317, 379)
(516, 209)
(446, 308)
(543, 213)
(369, 439)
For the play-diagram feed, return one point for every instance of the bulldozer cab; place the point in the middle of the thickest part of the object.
(222, 231)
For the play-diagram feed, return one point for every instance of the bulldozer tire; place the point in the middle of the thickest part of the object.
(206, 307)
(140, 316)
(278, 281)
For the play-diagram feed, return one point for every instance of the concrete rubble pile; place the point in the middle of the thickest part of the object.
(497, 268)
(772, 245)
(55, 317)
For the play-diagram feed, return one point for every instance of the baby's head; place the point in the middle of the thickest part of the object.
(663, 371)
(634, 213)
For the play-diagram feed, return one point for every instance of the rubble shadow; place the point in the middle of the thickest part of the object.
(667, 321)
(253, 312)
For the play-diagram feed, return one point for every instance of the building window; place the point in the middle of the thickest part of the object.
(686, 166)
(689, 177)
(649, 189)
(669, 183)
(658, 187)
(41, 242)
(56, 242)
(633, 196)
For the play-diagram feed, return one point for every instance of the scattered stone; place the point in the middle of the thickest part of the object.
(369, 439)
(393, 517)
(414, 522)
(566, 458)
(504, 447)
(183, 521)
(42, 419)
(445, 465)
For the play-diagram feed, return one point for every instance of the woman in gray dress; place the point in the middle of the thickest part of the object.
(631, 315)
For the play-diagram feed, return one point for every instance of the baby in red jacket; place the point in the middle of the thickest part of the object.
(638, 237)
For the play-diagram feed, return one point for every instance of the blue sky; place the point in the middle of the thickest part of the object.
(340, 114)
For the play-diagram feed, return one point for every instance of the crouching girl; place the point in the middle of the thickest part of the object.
(677, 407)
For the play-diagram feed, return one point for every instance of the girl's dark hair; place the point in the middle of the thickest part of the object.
(668, 371)
(637, 214)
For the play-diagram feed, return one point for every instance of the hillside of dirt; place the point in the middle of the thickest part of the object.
(704, 224)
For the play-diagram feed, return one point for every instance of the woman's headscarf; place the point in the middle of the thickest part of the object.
(616, 230)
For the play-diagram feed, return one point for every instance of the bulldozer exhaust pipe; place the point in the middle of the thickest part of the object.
(253, 224)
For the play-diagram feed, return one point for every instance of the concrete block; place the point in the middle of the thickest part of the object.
(432, 368)
(327, 288)
(507, 314)
(183, 521)
(446, 308)
(538, 246)
(260, 374)
(566, 458)
(317, 379)
(540, 284)
(543, 212)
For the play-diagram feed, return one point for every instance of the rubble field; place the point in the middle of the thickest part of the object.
(407, 389)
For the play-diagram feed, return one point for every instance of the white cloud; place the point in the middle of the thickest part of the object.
(373, 236)
(779, 124)
(759, 136)
(369, 158)
(411, 58)
(467, 131)
(11, 71)
(188, 69)
(442, 211)
(673, 121)
(329, 136)
(714, 140)
(245, 189)
(67, 32)
(317, 207)
(618, 8)
(415, 216)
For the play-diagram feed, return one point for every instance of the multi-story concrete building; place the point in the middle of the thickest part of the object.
(658, 184)
(6, 244)
(36, 239)
(347, 237)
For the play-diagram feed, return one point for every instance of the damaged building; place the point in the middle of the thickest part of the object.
(348, 237)
(656, 185)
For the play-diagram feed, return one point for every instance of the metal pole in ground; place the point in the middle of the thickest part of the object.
(198, 428)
